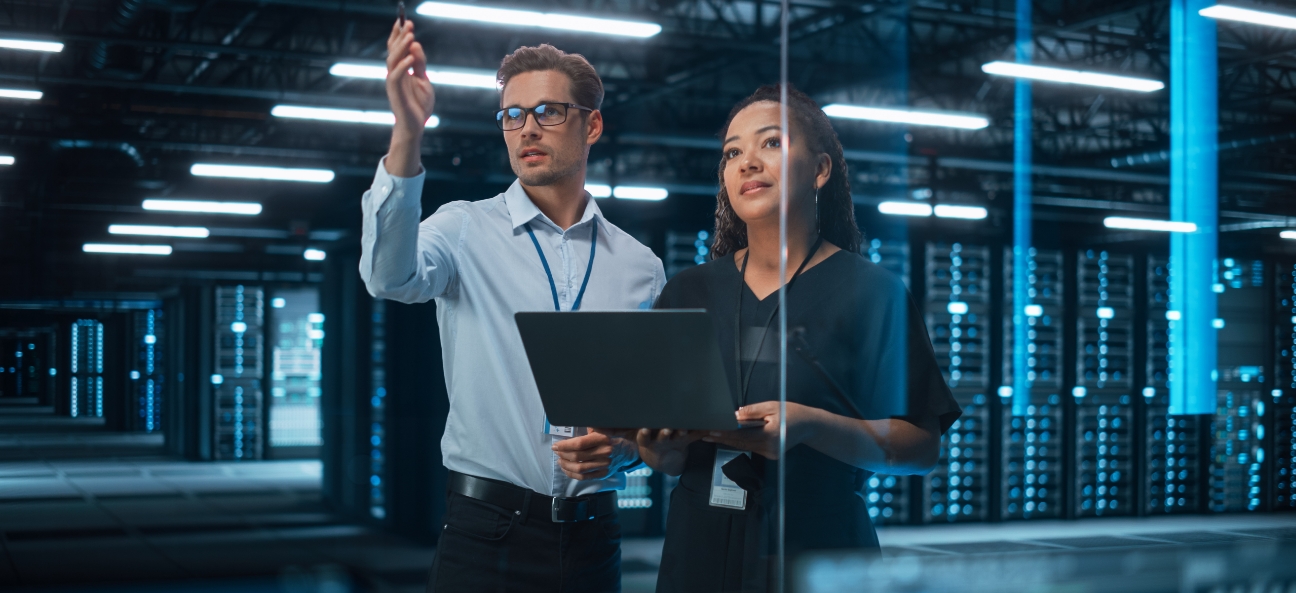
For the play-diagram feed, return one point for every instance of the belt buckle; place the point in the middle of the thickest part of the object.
(580, 513)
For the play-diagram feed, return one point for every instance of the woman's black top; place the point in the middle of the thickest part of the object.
(857, 347)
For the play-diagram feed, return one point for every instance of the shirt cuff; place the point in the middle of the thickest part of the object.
(404, 189)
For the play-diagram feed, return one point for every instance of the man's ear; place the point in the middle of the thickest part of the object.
(593, 127)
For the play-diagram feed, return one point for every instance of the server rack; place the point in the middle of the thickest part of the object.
(685, 250)
(1172, 443)
(1237, 479)
(957, 310)
(1031, 451)
(238, 372)
(888, 497)
(1104, 476)
(148, 378)
(378, 413)
(1283, 390)
(87, 382)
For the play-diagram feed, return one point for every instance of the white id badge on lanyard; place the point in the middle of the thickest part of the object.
(725, 492)
(558, 431)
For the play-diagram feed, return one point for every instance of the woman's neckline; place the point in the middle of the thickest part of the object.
(812, 266)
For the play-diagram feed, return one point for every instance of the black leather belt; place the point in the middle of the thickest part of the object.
(525, 502)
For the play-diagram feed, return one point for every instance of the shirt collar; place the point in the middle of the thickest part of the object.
(522, 210)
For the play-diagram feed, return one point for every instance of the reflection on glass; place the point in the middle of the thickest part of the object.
(295, 372)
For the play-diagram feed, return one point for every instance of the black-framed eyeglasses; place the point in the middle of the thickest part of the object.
(546, 114)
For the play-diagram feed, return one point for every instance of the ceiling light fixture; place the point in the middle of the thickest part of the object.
(528, 18)
(477, 79)
(1062, 75)
(1246, 15)
(265, 173)
(32, 45)
(1288, 234)
(192, 232)
(354, 116)
(1147, 224)
(652, 194)
(202, 207)
(126, 249)
(21, 94)
(941, 119)
(963, 212)
(905, 209)
(6, 160)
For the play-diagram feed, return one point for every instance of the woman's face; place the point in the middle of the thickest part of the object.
(752, 166)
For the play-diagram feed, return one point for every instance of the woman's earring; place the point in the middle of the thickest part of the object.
(816, 211)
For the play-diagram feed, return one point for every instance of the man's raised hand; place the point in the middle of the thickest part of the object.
(411, 97)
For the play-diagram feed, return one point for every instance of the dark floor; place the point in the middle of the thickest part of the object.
(89, 510)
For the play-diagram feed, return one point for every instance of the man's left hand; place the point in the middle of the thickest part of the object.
(595, 455)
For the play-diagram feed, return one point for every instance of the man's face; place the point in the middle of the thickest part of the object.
(543, 155)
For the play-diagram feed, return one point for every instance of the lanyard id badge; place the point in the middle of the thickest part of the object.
(726, 493)
(558, 431)
(549, 429)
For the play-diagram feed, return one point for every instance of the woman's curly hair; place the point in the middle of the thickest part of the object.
(836, 209)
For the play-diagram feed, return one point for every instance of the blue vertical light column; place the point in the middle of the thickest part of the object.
(1021, 214)
(1194, 197)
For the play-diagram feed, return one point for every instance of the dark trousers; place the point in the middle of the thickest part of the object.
(484, 547)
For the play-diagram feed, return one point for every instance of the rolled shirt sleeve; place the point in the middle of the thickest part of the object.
(402, 259)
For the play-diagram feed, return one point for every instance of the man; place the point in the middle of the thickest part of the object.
(531, 506)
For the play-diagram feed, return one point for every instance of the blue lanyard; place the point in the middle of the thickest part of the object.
(553, 288)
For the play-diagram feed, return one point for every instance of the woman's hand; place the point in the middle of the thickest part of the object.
(762, 435)
(665, 450)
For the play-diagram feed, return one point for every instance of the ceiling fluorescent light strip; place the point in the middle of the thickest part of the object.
(478, 79)
(963, 212)
(905, 209)
(192, 232)
(21, 94)
(31, 45)
(1063, 75)
(126, 249)
(1246, 15)
(6, 160)
(1146, 224)
(202, 207)
(906, 116)
(264, 173)
(355, 116)
(1288, 234)
(528, 18)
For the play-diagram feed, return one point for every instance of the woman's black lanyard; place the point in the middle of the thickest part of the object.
(745, 382)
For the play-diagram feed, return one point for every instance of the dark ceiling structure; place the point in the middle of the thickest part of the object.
(146, 88)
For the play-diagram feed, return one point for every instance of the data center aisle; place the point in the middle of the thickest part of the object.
(138, 524)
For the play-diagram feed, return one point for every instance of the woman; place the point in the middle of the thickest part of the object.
(864, 393)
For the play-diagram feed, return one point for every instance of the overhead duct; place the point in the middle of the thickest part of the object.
(124, 14)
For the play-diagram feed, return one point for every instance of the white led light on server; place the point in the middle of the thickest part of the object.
(1147, 224)
(32, 45)
(23, 94)
(314, 255)
(527, 18)
(480, 79)
(1247, 15)
(6, 160)
(126, 249)
(263, 173)
(203, 207)
(193, 232)
(1034, 310)
(907, 116)
(352, 116)
(1065, 76)
(1288, 234)
(905, 208)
